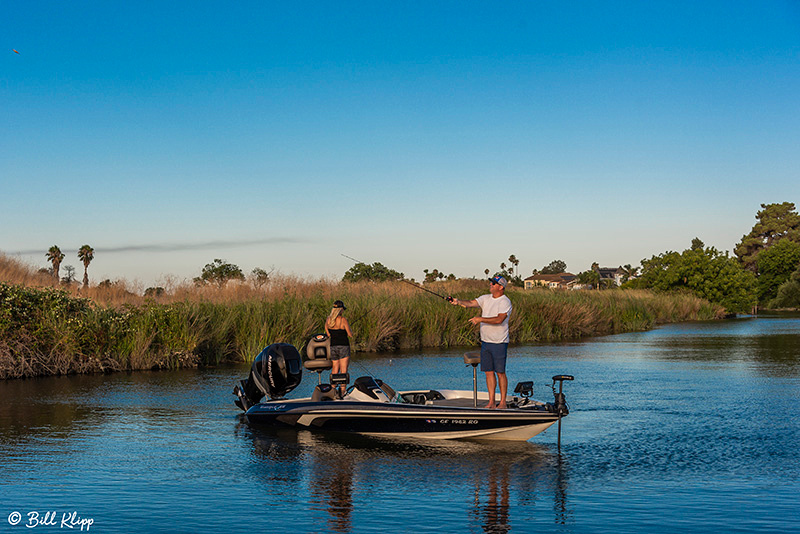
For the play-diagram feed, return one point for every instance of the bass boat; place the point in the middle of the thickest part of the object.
(370, 406)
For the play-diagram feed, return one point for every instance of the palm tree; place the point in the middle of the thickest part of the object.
(515, 262)
(86, 255)
(596, 270)
(629, 272)
(55, 256)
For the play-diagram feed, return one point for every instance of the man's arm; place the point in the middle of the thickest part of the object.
(497, 319)
(465, 303)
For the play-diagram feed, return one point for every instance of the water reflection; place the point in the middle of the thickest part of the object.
(487, 484)
(666, 427)
(768, 345)
(332, 487)
(560, 509)
(493, 513)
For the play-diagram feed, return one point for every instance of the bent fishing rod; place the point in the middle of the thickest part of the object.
(448, 299)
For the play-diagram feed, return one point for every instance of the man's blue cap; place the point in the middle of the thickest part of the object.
(498, 280)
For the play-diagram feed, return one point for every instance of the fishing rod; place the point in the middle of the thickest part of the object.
(448, 299)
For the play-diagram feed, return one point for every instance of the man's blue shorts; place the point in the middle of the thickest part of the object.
(493, 357)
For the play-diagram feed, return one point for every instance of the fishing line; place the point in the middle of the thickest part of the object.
(360, 364)
(448, 299)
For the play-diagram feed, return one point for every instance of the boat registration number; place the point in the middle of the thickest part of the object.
(459, 421)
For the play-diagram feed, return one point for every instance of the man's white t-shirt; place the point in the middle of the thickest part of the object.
(492, 307)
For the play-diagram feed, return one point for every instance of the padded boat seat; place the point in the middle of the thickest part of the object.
(318, 350)
(472, 358)
(317, 365)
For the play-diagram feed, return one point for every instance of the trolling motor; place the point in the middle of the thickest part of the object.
(559, 405)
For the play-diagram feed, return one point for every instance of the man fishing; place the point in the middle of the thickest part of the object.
(495, 310)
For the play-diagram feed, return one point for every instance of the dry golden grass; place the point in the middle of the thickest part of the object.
(17, 272)
(121, 292)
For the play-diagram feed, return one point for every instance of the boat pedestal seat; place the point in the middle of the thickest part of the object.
(318, 351)
(473, 358)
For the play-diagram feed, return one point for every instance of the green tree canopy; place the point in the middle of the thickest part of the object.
(432, 276)
(788, 293)
(154, 292)
(590, 278)
(219, 272)
(775, 222)
(555, 267)
(629, 272)
(707, 272)
(260, 277)
(775, 265)
(373, 273)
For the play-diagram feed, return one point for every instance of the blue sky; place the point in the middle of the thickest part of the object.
(442, 135)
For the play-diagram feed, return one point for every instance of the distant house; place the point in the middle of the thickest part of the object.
(615, 274)
(553, 281)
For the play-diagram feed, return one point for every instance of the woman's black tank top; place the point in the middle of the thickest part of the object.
(339, 337)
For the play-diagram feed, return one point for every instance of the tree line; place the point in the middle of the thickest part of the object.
(764, 270)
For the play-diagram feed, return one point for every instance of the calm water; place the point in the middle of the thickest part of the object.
(693, 427)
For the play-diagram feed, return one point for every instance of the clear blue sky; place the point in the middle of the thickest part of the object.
(441, 135)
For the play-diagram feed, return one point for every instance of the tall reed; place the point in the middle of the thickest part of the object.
(46, 330)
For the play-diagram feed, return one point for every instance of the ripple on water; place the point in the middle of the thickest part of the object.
(692, 427)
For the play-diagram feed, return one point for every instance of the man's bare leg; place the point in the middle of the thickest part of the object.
(491, 382)
(503, 380)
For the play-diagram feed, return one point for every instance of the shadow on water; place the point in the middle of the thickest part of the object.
(347, 477)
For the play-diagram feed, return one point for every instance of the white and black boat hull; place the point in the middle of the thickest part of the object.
(405, 420)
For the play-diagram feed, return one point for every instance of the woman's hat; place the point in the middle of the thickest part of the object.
(339, 304)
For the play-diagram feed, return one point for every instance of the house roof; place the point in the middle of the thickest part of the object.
(609, 272)
(560, 277)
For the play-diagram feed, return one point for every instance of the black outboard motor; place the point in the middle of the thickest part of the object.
(276, 371)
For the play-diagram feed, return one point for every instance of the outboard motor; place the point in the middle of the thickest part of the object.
(276, 371)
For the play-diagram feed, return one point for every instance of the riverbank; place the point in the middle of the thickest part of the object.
(47, 331)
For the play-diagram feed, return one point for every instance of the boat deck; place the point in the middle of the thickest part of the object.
(463, 402)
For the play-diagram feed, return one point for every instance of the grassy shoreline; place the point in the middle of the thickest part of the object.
(51, 331)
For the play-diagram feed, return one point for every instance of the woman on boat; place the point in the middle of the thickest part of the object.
(338, 329)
